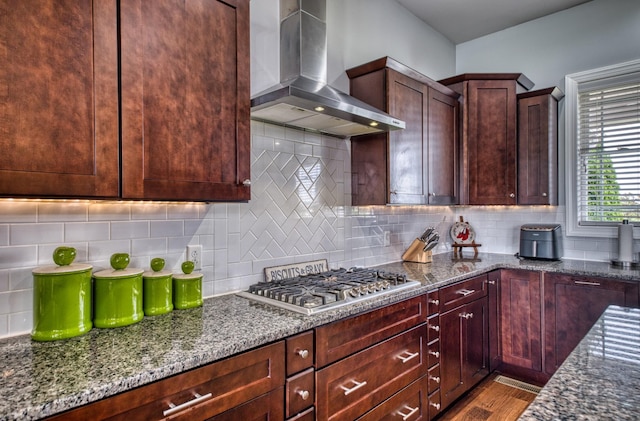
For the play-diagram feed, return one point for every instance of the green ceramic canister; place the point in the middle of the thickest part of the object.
(117, 294)
(157, 294)
(187, 288)
(61, 298)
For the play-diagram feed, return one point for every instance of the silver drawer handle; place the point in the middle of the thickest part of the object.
(304, 394)
(409, 357)
(465, 292)
(491, 282)
(435, 302)
(435, 327)
(357, 386)
(246, 183)
(173, 408)
(303, 353)
(435, 379)
(435, 405)
(593, 284)
(435, 354)
(465, 315)
(412, 411)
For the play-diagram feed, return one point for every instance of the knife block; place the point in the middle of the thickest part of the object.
(416, 254)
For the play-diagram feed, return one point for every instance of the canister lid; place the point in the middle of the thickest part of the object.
(62, 270)
(188, 276)
(158, 274)
(118, 273)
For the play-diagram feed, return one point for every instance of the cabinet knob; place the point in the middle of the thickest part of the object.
(435, 405)
(246, 183)
(304, 394)
(435, 354)
(435, 379)
(435, 327)
(544, 194)
(435, 302)
(432, 194)
(465, 315)
(303, 353)
(491, 282)
(512, 195)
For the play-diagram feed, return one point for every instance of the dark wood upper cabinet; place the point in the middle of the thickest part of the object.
(488, 136)
(181, 70)
(417, 165)
(185, 99)
(59, 98)
(538, 147)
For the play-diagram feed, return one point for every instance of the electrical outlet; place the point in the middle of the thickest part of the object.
(194, 253)
(387, 238)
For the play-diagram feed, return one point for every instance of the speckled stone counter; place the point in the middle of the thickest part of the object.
(42, 379)
(600, 380)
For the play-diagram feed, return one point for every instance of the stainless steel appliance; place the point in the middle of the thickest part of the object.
(314, 293)
(541, 241)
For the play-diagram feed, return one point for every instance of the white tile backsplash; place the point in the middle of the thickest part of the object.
(300, 210)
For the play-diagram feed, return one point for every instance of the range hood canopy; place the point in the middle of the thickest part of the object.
(303, 99)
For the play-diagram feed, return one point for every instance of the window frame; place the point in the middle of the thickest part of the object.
(572, 227)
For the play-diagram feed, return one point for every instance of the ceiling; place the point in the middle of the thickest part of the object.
(464, 20)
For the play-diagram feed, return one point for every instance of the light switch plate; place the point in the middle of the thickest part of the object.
(194, 253)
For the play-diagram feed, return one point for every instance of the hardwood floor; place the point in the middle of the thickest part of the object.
(490, 401)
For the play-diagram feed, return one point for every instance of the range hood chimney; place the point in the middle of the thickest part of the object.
(303, 99)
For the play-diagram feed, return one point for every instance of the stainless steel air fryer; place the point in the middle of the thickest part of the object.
(541, 241)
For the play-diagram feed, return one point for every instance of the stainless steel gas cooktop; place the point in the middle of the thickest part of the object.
(314, 293)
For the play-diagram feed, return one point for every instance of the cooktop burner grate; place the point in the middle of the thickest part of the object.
(313, 293)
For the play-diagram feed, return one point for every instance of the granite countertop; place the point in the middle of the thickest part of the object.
(44, 378)
(600, 379)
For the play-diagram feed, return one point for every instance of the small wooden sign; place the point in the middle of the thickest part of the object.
(278, 273)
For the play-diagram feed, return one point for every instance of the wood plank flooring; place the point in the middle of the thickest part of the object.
(490, 401)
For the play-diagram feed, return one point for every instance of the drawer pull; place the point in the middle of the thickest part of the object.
(435, 302)
(491, 282)
(412, 411)
(435, 379)
(593, 284)
(465, 292)
(409, 357)
(466, 315)
(173, 408)
(435, 405)
(304, 394)
(357, 386)
(435, 353)
(303, 353)
(435, 327)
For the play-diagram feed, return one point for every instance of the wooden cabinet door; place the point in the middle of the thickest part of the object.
(185, 99)
(493, 296)
(464, 349)
(572, 305)
(408, 157)
(520, 318)
(442, 149)
(491, 142)
(538, 147)
(58, 98)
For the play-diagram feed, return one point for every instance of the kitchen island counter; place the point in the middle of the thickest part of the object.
(42, 379)
(600, 379)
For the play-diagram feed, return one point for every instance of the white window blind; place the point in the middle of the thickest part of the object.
(608, 150)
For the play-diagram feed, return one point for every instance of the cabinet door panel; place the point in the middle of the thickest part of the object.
(572, 305)
(185, 99)
(58, 98)
(442, 149)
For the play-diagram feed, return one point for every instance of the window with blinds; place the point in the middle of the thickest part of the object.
(608, 150)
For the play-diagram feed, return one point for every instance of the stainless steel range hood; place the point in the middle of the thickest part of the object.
(303, 99)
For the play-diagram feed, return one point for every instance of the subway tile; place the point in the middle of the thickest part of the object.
(20, 322)
(23, 234)
(18, 256)
(62, 212)
(99, 252)
(199, 227)
(4, 235)
(151, 211)
(4, 280)
(149, 247)
(110, 211)
(4, 325)
(166, 228)
(17, 211)
(86, 231)
(129, 230)
(184, 211)
(21, 279)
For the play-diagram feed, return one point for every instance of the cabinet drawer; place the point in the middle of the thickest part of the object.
(352, 386)
(266, 407)
(434, 404)
(300, 352)
(345, 337)
(308, 415)
(463, 292)
(433, 328)
(433, 353)
(228, 383)
(300, 392)
(433, 378)
(410, 404)
(433, 302)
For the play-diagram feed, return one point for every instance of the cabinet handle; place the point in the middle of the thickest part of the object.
(465, 292)
(435, 327)
(304, 394)
(412, 411)
(544, 194)
(593, 284)
(432, 194)
(491, 282)
(303, 353)
(435, 379)
(246, 183)
(434, 302)
(173, 408)
(357, 386)
(435, 354)
(512, 195)
(465, 315)
(409, 357)
(435, 405)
